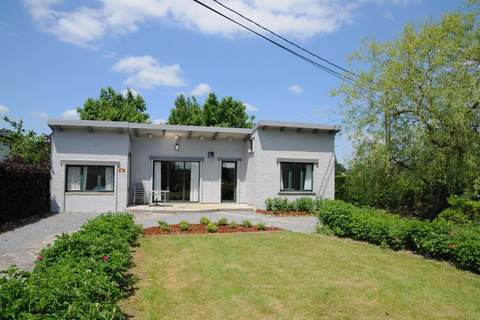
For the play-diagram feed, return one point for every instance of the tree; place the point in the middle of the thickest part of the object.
(113, 106)
(414, 116)
(187, 111)
(226, 113)
(26, 147)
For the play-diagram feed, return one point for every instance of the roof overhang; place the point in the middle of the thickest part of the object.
(297, 126)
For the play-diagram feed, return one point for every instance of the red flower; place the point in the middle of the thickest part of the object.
(39, 258)
(105, 258)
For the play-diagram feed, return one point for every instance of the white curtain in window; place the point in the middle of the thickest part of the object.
(84, 178)
(109, 178)
(157, 178)
(308, 177)
(194, 181)
(73, 178)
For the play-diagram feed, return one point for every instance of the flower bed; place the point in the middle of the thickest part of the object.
(285, 213)
(201, 228)
(80, 276)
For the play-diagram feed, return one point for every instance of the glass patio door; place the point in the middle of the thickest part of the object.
(180, 178)
(229, 181)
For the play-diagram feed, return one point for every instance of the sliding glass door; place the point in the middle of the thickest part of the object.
(180, 178)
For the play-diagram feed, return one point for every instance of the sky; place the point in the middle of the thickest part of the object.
(55, 54)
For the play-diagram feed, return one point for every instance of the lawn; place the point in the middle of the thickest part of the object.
(286, 275)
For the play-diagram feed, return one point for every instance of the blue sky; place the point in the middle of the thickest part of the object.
(55, 54)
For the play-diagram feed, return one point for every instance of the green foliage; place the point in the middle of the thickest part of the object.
(453, 215)
(459, 244)
(204, 220)
(26, 146)
(163, 225)
(226, 113)
(260, 226)
(303, 204)
(212, 228)
(414, 117)
(184, 225)
(114, 106)
(463, 210)
(222, 221)
(247, 223)
(80, 276)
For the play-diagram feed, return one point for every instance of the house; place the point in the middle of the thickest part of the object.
(97, 164)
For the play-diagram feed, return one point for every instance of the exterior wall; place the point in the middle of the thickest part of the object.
(143, 148)
(271, 144)
(81, 147)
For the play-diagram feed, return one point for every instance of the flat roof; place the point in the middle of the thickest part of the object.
(198, 130)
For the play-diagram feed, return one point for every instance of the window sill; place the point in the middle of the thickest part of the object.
(304, 193)
(90, 193)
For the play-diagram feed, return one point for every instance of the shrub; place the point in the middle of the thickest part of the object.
(204, 220)
(453, 215)
(212, 228)
(233, 225)
(222, 221)
(261, 226)
(163, 225)
(247, 223)
(92, 263)
(438, 239)
(184, 225)
(470, 210)
(304, 204)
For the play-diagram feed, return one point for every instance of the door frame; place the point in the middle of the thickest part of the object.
(235, 196)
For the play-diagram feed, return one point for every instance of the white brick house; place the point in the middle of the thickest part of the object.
(96, 164)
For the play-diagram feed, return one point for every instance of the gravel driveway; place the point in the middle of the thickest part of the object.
(21, 246)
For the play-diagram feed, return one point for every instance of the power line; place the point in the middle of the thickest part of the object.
(314, 63)
(285, 39)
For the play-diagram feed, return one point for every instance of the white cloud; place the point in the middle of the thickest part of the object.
(201, 90)
(250, 108)
(159, 121)
(70, 114)
(146, 72)
(296, 89)
(39, 115)
(134, 92)
(86, 26)
(3, 109)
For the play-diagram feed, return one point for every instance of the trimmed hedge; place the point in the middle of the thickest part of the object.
(80, 276)
(459, 244)
(24, 191)
(304, 204)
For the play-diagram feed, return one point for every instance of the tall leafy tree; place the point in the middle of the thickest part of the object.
(225, 113)
(187, 111)
(114, 106)
(414, 116)
(26, 146)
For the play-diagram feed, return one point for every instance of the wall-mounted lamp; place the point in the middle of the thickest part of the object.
(177, 137)
(177, 147)
(202, 137)
(211, 155)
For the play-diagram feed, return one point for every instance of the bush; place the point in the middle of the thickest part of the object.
(204, 220)
(233, 225)
(261, 226)
(222, 221)
(163, 225)
(212, 228)
(247, 223)
(184, 225)
(463, 210)
(304, 204)
(453, 215)
(24, 191)
(438, 239)
(79, 276)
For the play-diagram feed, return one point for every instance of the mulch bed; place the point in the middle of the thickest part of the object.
(200, 228)
(285, 213)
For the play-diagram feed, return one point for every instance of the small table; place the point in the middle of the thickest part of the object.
(157, 196)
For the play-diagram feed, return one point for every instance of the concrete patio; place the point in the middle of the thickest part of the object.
(188, 207)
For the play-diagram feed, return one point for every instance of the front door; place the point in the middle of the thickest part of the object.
(229, 181)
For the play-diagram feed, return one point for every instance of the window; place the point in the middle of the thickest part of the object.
(296, 176)
(90, 178)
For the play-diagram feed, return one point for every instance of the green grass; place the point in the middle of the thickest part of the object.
(293, 276)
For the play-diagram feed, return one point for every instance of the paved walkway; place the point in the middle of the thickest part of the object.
(21, 246)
